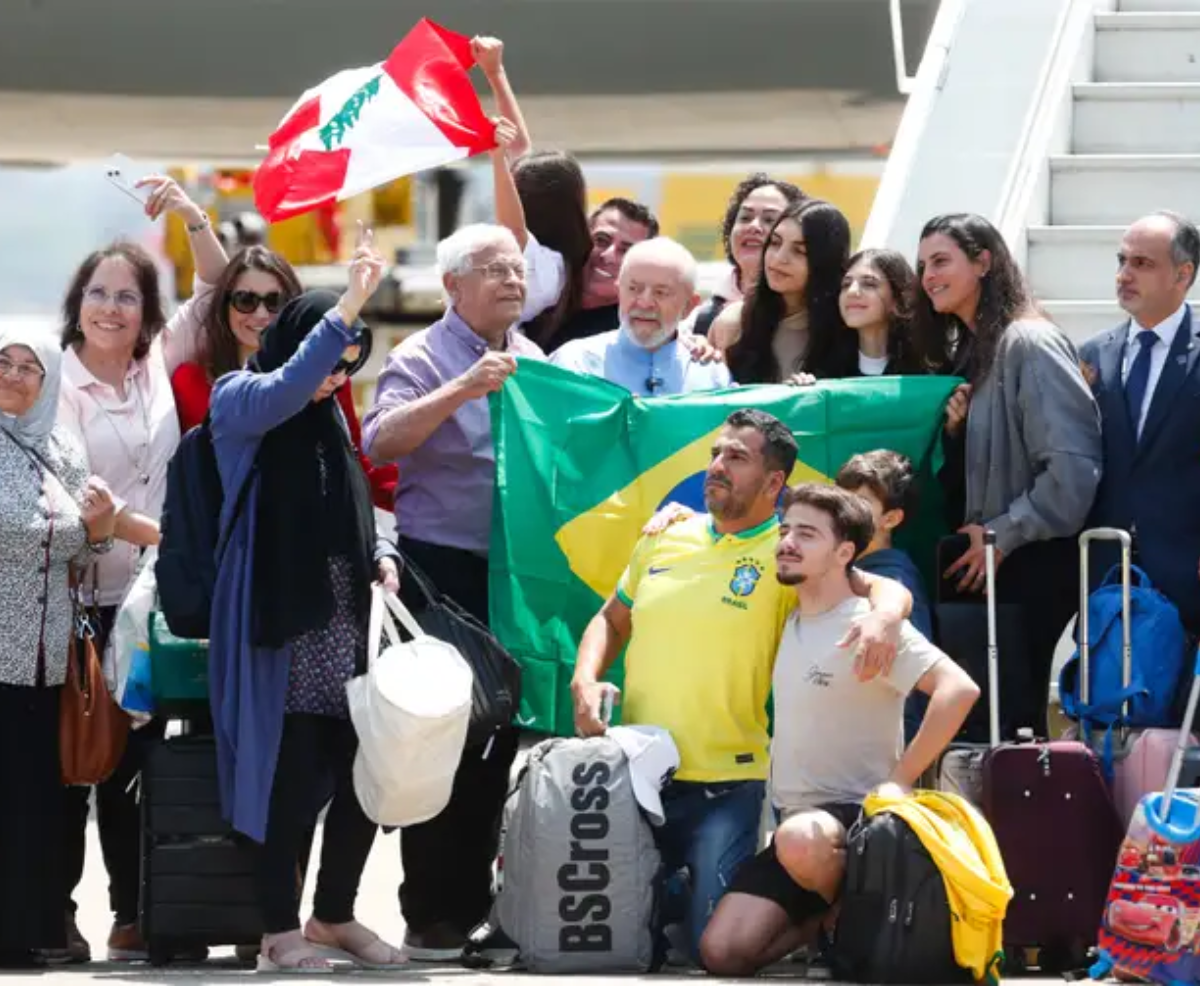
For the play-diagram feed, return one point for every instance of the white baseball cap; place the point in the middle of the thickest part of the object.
(653, 759)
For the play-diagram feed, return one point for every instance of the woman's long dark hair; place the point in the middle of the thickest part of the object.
(553, 193)
(752, 183)
(1003, 298)
(146, 274)
(218, 345)
(894, 267)
(827, 240)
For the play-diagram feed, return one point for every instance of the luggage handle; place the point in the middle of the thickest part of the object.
(1181, 745)
(1085, 645)
(993, 655)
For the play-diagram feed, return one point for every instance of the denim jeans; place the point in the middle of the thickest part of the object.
(709, 830)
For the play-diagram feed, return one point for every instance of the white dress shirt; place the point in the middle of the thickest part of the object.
(1165, 330)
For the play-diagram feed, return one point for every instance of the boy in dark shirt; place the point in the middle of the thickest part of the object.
(886, 480)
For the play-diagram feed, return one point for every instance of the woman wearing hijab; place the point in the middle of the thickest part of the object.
(51, 515)
(289, 619)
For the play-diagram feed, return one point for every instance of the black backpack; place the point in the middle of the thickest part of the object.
(894, 924)
(186, 570)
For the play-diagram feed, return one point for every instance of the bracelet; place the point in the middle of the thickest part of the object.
(201, 226)
(102, 547)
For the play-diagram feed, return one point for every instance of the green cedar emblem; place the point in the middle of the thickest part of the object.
(342, 122)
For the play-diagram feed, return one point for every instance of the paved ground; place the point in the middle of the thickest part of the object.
(377, 908)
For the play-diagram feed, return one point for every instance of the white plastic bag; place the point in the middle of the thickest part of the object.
(410, 711)
(128, 650)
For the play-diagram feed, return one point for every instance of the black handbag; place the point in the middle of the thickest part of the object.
(496, 691)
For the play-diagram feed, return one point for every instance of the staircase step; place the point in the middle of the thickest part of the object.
(1074, 261)
(1159, 6)
(1147, 47)
(1136, 118)
(1081, 320)
(1116, 189)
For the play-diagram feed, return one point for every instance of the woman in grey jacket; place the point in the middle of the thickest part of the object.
(1022, 440)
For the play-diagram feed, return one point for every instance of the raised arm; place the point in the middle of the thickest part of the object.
(510, 213)
(180, 341)
(253, 403)
(167, 196)
(248, 403)
(489, 55)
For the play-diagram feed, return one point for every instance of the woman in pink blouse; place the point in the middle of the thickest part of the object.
(119, 352)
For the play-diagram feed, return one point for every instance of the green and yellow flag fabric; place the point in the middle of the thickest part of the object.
(581, 465)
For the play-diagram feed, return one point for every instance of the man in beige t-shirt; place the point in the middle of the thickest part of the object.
(839, 734)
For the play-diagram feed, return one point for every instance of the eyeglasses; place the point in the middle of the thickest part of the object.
(123, 299)
(247, 302)
(24, 372)
(499, 271)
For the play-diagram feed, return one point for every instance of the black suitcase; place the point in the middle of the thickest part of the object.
(197, 886)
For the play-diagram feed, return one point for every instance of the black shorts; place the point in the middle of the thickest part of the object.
(764, 876)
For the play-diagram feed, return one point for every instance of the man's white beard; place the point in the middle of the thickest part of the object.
(656, 341)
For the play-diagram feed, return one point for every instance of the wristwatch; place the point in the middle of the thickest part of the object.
(102, 547)
(201, 226)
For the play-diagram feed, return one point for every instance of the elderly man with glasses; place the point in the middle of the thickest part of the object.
(431, 417)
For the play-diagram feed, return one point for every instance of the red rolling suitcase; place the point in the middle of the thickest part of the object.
(1056, 825)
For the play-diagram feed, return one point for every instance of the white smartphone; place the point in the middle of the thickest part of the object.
(120, 172)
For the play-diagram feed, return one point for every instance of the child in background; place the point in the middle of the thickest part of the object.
(886, 481)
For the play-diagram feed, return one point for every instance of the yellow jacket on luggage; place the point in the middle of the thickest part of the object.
(963, 847)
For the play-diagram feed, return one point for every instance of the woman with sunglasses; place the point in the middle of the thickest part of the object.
(119, 351)
(250, 292)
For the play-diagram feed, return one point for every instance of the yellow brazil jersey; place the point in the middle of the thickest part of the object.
(708, 613)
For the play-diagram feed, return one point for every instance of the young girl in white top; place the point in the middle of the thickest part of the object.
(876, 304)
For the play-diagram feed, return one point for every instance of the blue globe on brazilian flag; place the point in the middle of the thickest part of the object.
(581, 465)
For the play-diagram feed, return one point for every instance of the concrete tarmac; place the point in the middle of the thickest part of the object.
(377, 908)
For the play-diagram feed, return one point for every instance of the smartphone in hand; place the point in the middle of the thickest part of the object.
(120, 171)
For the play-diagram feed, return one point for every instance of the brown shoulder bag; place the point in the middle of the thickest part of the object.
(93, 730)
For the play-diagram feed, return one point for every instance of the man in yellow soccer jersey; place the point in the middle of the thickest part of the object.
(702, 612)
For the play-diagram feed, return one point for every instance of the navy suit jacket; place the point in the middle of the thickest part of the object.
(1151, 486)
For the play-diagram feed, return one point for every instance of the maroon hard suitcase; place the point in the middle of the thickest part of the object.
(1058, 830)
(1057, 827)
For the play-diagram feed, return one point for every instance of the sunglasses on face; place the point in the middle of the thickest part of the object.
(247, 302)
(348, 366)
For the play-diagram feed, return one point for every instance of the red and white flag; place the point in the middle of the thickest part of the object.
(365, 127)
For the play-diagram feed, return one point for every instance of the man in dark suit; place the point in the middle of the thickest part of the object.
(1146, 379)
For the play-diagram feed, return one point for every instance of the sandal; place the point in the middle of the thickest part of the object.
(301, 958)
(372, 952)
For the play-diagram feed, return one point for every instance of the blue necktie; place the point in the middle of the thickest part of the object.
(1139, 377)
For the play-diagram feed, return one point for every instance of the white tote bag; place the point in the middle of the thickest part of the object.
(410, 711)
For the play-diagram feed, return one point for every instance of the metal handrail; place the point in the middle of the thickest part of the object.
(904, 81)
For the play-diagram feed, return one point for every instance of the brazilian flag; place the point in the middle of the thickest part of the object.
(581, 465)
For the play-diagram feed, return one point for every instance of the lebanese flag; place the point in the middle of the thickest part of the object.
(365, 127)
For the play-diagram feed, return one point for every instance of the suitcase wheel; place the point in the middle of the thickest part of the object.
(1063, 957)
(1015, 963)
(160, 952)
